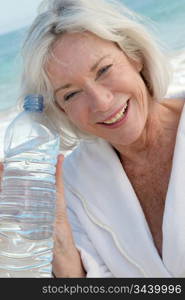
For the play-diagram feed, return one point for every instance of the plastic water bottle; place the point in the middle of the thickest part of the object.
(27, 200)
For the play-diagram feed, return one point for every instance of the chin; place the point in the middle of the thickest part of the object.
(126, 139)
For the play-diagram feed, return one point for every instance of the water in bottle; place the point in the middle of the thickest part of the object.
(27, 200)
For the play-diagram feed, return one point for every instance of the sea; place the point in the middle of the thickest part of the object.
(164, 18)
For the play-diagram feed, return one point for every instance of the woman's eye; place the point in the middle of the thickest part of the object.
(103, 70)
(67, 97)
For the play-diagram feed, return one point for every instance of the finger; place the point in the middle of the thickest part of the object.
(59, 183)
(60, 201)
(1, 170)
(1, 167)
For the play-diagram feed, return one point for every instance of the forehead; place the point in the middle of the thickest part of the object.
(78, 50)
(77, 43)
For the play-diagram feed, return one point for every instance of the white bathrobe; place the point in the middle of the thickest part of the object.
(108, 223)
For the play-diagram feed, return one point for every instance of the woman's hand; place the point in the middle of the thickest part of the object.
(66, 258)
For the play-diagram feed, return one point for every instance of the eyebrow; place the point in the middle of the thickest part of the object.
(68, 85)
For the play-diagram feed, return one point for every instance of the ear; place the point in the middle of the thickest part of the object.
(62, 109)
(137, 64)
(59, 107)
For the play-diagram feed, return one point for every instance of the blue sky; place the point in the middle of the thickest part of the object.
(15, 14)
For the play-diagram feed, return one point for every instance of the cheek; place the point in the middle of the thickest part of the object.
(123, 82)
(78, 115)
(127, 77)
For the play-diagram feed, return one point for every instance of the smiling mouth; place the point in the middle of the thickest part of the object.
(119, 116)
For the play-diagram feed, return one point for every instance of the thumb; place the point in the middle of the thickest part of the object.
(59, 181)
(1, 167)
(60, 201)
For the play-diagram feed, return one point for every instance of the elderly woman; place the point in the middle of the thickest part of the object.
(104, 82)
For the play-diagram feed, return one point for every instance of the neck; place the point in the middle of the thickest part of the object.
(152, 138)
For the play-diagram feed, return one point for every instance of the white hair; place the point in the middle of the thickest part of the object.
(108, 19)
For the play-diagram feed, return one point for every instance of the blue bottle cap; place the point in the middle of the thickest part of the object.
(34, 102)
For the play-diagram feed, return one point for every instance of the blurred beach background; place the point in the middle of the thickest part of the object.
(167, 16)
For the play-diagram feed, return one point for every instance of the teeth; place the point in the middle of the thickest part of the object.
(118, 116)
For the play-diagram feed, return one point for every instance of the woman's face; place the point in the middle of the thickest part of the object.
(99, 88)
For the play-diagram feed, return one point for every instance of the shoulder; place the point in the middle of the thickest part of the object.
(86, 161)
(175, 105)
(81, 158)
(88, 150)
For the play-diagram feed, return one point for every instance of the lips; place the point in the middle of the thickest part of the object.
(120, 121)
(114, 114)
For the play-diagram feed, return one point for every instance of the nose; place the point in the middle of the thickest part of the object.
(100, 98)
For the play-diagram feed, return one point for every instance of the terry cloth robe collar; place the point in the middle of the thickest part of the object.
(111, 202)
